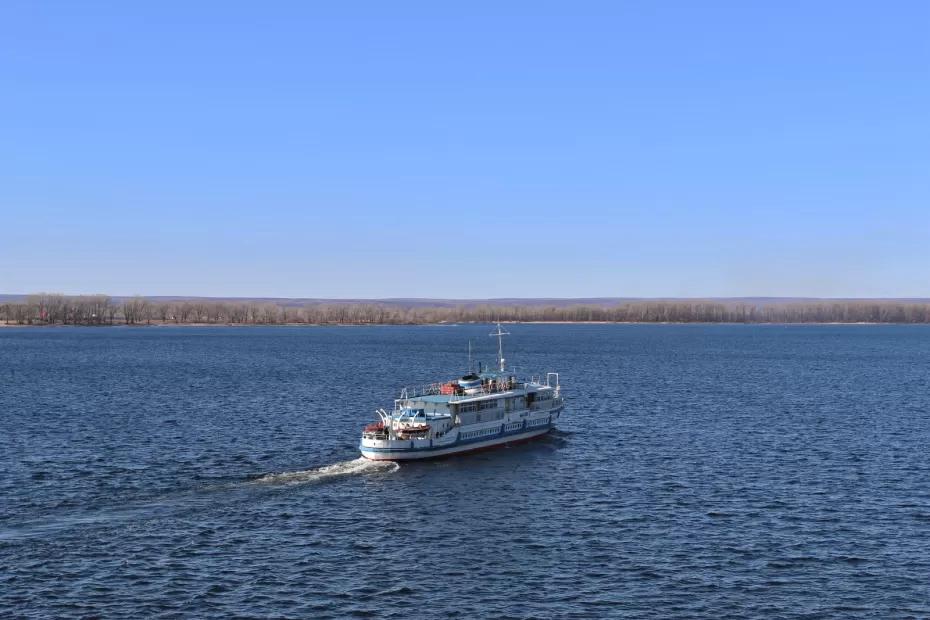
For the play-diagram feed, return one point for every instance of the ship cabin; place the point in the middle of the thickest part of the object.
(475, 398)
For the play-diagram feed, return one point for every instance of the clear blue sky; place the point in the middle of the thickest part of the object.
(388, 149)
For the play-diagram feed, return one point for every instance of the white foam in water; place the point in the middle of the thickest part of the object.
(361, 465)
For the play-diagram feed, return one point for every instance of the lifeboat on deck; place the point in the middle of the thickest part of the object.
(413, 429)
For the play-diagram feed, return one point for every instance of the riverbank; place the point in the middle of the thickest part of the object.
(171, 324)
(104, 310)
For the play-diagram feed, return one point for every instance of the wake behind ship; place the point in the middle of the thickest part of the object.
(481, 410)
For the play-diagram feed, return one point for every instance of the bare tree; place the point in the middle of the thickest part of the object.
(53, 308)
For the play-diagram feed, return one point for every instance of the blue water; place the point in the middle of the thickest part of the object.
(698, 471)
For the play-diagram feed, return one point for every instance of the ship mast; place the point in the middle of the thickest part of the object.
(500, 345)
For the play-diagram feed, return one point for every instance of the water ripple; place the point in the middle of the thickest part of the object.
(699, 471)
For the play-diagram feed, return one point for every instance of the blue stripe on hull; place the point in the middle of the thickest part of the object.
(459, 443)
(425, 454)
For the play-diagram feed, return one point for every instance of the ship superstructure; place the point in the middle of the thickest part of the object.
(482, 409)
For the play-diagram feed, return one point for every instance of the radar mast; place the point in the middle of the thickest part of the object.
(500, 345)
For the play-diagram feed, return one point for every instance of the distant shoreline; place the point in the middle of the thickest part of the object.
(56, 309)
(185, 325)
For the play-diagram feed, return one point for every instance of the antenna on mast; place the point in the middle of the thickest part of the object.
(469, 355)
(500, 345)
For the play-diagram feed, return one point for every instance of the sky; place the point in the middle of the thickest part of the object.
(465, 150)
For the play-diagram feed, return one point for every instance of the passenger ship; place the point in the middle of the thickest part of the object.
(483, 409)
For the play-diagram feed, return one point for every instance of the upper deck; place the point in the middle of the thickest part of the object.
(492, 384)
(487, 391)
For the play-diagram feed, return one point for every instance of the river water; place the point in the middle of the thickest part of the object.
(700, 471)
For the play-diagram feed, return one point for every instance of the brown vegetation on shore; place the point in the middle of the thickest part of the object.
(56, 309)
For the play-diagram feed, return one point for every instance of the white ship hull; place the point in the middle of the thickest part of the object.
(413, 450)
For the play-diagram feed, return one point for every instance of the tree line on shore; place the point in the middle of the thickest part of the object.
(56, 309)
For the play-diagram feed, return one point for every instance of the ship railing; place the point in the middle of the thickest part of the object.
(420, 390)
(486, 390)
(433, 389)
(410, 393)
